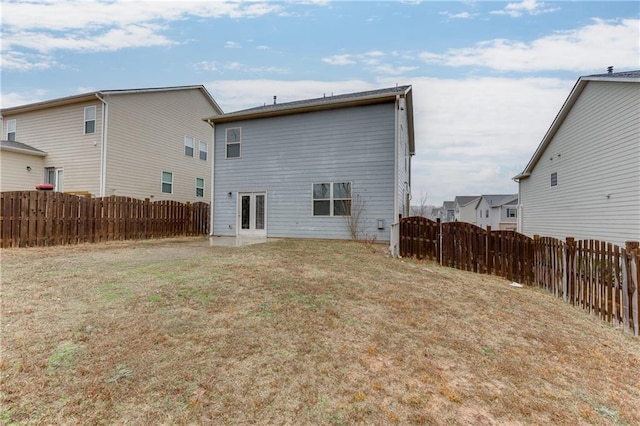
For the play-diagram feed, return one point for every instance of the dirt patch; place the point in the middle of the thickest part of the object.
(295, 332)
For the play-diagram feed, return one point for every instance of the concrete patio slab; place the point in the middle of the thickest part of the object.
(237, 241)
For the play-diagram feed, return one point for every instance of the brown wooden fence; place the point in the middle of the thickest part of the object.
(599, 277)
(40, 218)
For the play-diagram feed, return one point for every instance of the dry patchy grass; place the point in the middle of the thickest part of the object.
(295, 332)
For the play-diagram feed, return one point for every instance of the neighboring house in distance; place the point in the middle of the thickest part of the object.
(141, 143)
(498, 211)
(435, 213)
(448, 212)
(583, 180)
(465, 208)
(302, 169)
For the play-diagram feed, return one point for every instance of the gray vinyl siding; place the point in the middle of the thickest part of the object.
(286, 155)
(595, 152)
(145, 137)
(59, 131)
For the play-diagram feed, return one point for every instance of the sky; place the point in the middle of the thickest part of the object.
(488, 78)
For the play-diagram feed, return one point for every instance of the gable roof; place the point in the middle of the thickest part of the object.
(84, 97)
(22, 148)
(326, 103)
(464, 200)
(499, 200)
(578, 88)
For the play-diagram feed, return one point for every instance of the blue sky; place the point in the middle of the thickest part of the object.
(488, 77)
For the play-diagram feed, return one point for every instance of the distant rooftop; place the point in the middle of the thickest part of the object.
(623, 74)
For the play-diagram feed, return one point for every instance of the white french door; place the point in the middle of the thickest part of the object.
(252, 213)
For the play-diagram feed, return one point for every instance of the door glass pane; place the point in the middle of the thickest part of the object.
(60, 181)
(259, 211)
(246, 212)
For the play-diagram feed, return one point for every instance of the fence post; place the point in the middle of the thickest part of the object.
(439, 241)
(568, 268)
(487, 251)
(633, 257)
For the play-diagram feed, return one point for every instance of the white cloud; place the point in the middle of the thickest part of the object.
(460, 15)
(12, 99)
(530, 7)
(339, 60)
(592, 47)
(20, 61)
(49, 25)
(232, 45)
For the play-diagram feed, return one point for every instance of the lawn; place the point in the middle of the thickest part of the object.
(295, 332)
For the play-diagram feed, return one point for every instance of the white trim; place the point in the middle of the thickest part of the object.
(95, 120)
(15, 129)
(162, 182)
(227, 143)
(252, 231)
(213, 161)
(203, 187)
(103, 160)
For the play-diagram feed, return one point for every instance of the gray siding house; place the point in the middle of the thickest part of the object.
(315, 168)
(583, 180)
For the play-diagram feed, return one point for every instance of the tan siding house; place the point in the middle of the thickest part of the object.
(583, 181)
(123, 142)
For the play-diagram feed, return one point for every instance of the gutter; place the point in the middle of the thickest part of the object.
(213, 162)
(103, 153)
(396, 207)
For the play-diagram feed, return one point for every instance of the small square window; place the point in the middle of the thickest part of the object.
(90, 119)
(512, 213)
(554, 179)
(167, 182)
(188, 146)
(233, 141)
(11, 130)
(203, 150)
(199, 187)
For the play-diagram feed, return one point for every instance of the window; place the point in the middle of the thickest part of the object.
(486, 213)
(11, 130)
(55, 177)
(167, 182)
(188, 146)
(554, 179)
(199, 187)
(233, 142)
(203, 150)
(512, 213)
(90, 119)
(332, 199)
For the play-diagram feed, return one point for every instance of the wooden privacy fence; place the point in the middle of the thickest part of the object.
(599, 277)
(40, 218)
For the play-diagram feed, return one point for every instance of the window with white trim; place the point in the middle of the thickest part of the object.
(203, 150)
(188, 146)
(167, 182)
(233, 141)
(554, 179)
(512, 212)
(199, 187)
(332, 199)
(90, 119)
(11, 130)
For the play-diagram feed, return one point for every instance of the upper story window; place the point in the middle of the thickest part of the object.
(554, 179)
(167, 182)
(233, 140)
(11, 130)
(512, 212)
(332, 199)
(203, 150)
(90, 119)
(188, 146)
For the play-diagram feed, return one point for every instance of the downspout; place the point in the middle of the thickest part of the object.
(213, 161)
(396, 204)
(103, 151)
